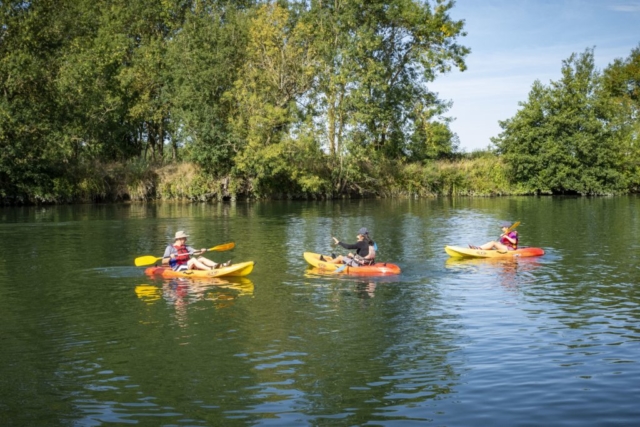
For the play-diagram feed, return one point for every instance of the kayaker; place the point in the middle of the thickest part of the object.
(508, 240)
(179, 256)
(365, 253)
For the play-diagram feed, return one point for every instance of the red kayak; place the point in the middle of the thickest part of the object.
(377, 269)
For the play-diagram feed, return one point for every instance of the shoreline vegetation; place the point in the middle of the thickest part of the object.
(483, 176)
(205, 100)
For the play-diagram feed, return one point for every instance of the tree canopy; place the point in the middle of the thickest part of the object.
(576, 135)
(249, 90)
(299, 98)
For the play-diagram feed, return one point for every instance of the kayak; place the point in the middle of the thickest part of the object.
(459, 251)
(234, 270)
(377, 269)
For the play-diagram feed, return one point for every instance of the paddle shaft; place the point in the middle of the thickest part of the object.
(150, 259)
(340, 269)
(510, 229)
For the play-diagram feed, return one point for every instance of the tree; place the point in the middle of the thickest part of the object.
(278, 70)
(95, 121)
(621, 83)
(561, 140)
(31, 35)
(377, 60)
(205, 59)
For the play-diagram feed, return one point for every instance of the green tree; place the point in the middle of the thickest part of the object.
(150, 25)
(370, 101)
(561, 140)
(432, 139)
(31, 35)
(378, 58)
(96, 126)
(205, 59)
(278, 70)
(621, 82)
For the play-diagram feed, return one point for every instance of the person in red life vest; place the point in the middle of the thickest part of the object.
(179, 256)
(508, 240)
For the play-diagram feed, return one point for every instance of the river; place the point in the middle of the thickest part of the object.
(88, 340)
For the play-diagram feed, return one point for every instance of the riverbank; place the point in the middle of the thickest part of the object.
(483, 176)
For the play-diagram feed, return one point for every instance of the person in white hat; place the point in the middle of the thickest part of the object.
(179, 256)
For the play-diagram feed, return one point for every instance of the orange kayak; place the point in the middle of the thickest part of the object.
(377, 269)
(234, 270)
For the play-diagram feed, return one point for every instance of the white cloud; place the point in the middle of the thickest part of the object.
(627, 7)
(516, 42)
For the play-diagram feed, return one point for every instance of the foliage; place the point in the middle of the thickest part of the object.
(482, 176)
(562, 140)
(621, 84)
(182, 180)
(376, 59)
(212, 99)
(278, 69)
(204, 60)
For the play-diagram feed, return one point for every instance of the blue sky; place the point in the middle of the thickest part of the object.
(515, 42)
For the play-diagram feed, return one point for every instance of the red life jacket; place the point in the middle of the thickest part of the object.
(183, 254)
(506, 242)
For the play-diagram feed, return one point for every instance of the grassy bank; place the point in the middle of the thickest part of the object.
(482, 176)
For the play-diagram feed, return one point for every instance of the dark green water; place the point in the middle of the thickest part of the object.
(88, 340)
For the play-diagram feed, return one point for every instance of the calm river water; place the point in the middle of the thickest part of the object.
(88, 340)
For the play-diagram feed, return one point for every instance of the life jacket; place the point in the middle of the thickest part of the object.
(370, 261)
(183, 255)
(506, 242)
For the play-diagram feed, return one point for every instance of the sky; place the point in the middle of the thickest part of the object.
(515, 42)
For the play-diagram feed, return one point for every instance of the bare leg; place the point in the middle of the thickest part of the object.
(494, 245)
(201, 264)
(208, 262)
(337, 260)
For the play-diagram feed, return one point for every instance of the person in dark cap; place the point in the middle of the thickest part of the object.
(508, 240)
(365, 253)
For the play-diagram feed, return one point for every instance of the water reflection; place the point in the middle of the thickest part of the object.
(509, 272)
(364, 289)
(181, 292)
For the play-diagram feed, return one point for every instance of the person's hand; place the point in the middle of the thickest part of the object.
(350, 255)
(335, 241)
(172, 256)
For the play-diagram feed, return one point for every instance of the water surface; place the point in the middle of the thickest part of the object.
(88, 340)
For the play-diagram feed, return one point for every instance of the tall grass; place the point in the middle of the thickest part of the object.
(479, 176)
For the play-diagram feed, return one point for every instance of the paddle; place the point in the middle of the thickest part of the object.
(339, 269)
(150, 259)
(513, 227)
